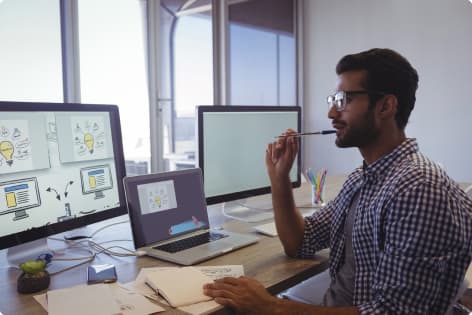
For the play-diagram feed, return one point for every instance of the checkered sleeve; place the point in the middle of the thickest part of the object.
(426, 250)
(317, 232)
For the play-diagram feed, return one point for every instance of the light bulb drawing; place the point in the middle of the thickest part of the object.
(7, 150)
(89, 141)
(15, 146)
(88, 137)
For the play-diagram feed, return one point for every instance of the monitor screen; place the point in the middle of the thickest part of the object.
(232, 141)
(61, 167)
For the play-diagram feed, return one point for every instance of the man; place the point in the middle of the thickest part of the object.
(399, 231)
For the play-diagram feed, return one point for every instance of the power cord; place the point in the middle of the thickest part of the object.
(84, 242)
(99, 249)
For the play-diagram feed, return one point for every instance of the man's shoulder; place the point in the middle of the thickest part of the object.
(417, 169)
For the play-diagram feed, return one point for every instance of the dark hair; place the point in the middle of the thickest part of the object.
(388, 72)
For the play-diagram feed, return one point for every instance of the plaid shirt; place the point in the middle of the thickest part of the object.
(411, 235)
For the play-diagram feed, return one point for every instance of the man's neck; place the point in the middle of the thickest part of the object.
(381, 147)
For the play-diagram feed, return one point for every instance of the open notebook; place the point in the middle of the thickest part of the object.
(169, 218)
(179, 286)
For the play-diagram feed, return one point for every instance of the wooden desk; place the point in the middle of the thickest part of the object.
(264, 261)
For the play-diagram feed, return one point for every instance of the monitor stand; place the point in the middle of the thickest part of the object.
(238, 210)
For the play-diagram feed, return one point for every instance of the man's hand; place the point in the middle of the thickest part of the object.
(281, 154)
(244, 294)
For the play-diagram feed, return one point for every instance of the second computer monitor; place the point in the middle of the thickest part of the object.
(232, 142)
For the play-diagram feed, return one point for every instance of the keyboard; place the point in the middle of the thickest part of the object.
(190, 242)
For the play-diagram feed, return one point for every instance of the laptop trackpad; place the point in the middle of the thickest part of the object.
(219, 246)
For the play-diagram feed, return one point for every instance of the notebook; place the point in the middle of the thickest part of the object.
(179, 286)
(169, 218)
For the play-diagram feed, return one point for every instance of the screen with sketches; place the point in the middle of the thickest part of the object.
(58, 167)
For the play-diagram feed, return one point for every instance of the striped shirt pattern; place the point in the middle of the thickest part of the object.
(411, 235)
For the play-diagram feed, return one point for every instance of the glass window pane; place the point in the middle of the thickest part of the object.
(186, 33)
(193, 76)
(30, 58)
(112, 70)
(262, 53)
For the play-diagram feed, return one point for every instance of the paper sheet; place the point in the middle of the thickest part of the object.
(91, 300)
(217, 272)
(129, 302)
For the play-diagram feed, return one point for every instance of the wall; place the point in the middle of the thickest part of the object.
(434, 35)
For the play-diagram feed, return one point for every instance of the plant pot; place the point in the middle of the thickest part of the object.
(31, 283)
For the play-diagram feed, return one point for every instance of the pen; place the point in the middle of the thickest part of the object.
(322, 132)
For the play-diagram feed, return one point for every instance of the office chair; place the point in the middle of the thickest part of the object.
(312, 290)
(465, 283)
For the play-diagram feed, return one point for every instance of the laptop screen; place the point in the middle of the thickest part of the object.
(165, 205)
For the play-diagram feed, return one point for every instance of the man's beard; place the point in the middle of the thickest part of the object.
(360, 134)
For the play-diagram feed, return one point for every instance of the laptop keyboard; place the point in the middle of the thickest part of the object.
(190, 242)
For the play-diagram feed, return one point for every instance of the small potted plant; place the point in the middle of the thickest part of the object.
(34, 277)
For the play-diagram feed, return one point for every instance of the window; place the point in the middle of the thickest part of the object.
(112, 70)
(188, 27)
(262, 53)
(110, 46)
(261, 59)
(30, 58)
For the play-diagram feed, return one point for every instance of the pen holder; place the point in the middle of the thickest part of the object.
(316, 198)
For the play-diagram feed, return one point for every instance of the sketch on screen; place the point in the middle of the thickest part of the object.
(18, 195)
(15, 147)
(159, 196)
(89, 137)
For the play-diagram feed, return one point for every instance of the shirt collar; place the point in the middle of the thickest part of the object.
(377, 170)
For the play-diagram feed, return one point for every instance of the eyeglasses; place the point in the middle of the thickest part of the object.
(340, 99)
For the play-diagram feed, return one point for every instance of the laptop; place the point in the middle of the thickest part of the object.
(169, 218)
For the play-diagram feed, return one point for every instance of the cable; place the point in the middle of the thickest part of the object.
(49, 258)
(84, 242)
(91, 258)
(107, 250)
(105, 227)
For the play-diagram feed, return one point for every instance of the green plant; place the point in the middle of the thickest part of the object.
(33, 267)
(34, 277)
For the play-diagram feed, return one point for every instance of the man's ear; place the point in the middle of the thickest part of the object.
(388, 106)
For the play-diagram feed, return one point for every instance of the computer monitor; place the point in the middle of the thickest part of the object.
(232, 141)
(61, 168)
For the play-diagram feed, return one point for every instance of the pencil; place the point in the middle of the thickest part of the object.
(322, 132)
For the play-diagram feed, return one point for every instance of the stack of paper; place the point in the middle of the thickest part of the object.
(128, 299)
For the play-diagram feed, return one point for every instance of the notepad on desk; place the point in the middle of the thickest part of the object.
(179, 286)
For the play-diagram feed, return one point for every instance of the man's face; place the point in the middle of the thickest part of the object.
(355, 125)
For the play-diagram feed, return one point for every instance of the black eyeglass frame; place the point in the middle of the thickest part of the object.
(339, 99)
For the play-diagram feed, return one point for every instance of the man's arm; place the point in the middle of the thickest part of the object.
(288, 220)
(248, 296)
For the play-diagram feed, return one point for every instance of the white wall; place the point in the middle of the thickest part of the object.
(434, 35)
